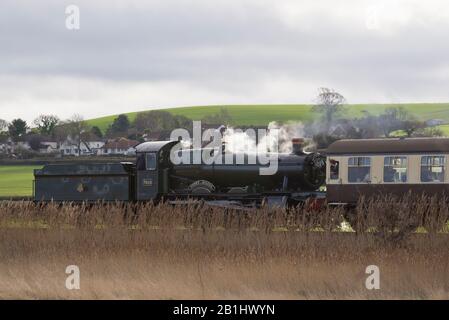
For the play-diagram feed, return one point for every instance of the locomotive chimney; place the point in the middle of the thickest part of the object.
(297, 144)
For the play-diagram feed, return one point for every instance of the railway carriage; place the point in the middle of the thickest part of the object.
(369, 167)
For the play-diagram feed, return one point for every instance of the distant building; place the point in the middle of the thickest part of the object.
(95, 146)
(70, 148)
(121, 146)
(49, 147)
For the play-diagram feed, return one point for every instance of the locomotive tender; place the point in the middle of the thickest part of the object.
(351, 168)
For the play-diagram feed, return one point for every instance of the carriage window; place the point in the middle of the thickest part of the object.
(334, 169)
(395, 169)
(151, 161)
(432, 168)
(359, 169)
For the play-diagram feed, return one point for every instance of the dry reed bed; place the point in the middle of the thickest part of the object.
(164, 252)
(383, 214)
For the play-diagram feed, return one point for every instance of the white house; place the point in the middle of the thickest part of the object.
(49, 147)
(95, 146)
(70, 148)
(120, 146)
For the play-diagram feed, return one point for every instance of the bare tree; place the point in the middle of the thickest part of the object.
(3, 125)
(77, 128)
(61, 132)
(329, 104)
(392, 119)
(398, 118)
(411, 126)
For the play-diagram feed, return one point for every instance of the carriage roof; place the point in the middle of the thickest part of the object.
(389, 146)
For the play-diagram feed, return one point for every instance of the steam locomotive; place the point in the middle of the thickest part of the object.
(154, 176)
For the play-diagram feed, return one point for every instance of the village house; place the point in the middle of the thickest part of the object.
(70, 148)
(49, 147)
(121, 146)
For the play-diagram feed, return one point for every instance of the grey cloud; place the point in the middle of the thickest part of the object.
(226, 46)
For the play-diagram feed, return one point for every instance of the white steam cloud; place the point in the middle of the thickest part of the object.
(277, 139)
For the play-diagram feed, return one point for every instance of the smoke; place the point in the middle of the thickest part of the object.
(277, 138)
(237, 140)
(287, 132)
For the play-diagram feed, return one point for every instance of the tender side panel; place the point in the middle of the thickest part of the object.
(78, 188)
(91, 182)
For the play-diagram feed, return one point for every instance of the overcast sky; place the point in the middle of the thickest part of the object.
(136, 55)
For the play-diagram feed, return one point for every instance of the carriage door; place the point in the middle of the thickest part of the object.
(147, 176)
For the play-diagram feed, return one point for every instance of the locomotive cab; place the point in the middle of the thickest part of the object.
(153, 165)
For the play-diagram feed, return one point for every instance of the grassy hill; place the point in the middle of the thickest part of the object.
(263, 114)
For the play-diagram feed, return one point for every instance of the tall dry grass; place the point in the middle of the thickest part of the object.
(197, 252)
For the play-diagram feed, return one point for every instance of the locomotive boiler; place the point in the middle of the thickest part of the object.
(293, 172)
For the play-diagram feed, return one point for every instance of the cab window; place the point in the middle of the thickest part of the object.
(140, 163)
(151, 161)
(334, 169)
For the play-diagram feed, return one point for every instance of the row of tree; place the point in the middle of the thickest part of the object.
(47, 127)
(50, 126)
(160, 121)
(332, 122)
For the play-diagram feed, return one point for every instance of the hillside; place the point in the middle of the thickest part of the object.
(263, 114)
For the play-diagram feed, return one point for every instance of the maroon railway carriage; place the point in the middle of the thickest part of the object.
(397, 166)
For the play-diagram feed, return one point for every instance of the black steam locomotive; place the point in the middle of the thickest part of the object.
(154, 176)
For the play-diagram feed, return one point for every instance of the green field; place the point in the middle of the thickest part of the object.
(264, 114)
(16, 180)
(445, 129)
